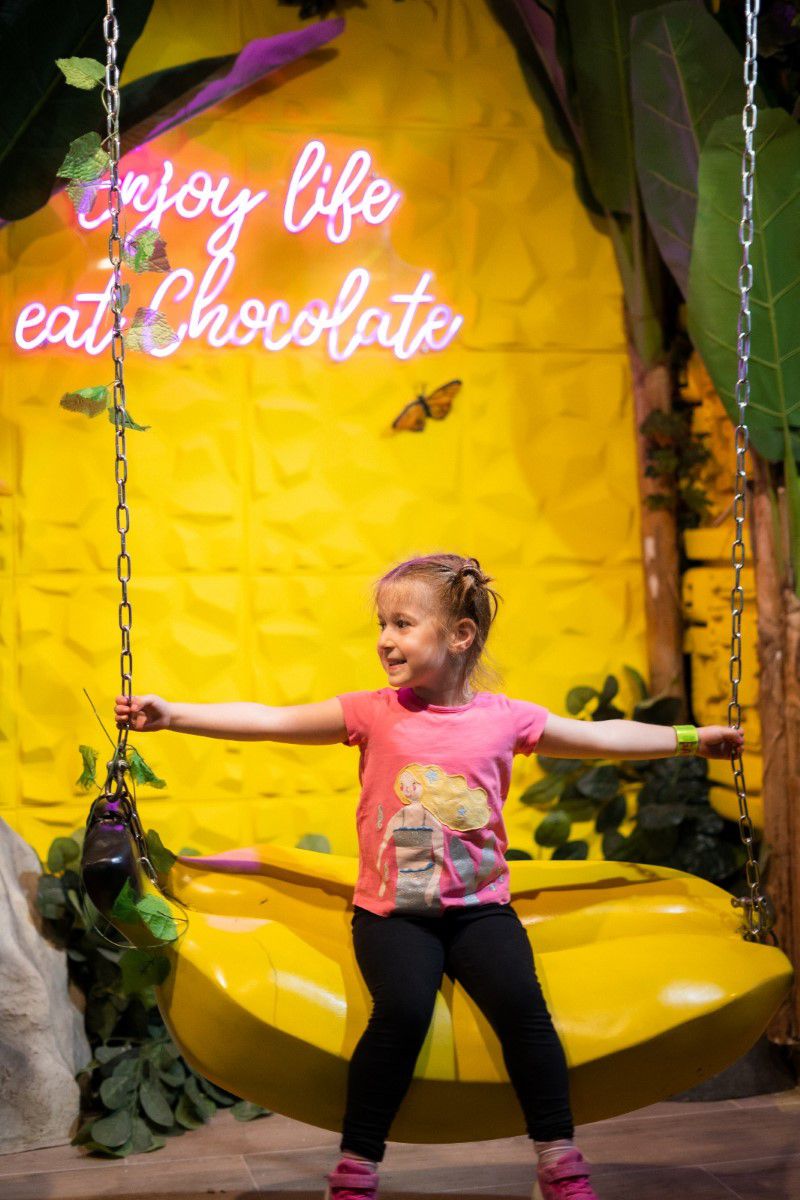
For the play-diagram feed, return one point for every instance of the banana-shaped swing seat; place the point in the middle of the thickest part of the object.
(650, 983)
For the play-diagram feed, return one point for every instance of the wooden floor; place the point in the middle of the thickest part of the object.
(745, 1149)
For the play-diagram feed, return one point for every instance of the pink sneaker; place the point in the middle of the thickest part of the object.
(565, 1179)
(352, 1180)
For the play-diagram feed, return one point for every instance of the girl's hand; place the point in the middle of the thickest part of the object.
(144, 714)
(717, 741)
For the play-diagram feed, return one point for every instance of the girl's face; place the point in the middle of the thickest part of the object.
(413, 648)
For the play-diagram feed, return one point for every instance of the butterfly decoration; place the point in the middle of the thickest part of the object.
(436, 406)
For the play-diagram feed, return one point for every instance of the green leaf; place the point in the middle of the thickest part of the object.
(187, 1115)
(204, 1104)
(128, 422)
(107, 1054)
(166, 1054)
(86, 779)
(86, 160)
(140, 772)
(514, 855)
(559, 766)
(124, 907)
(174, 1075)
(553, 829)
(544, 792)
(571, 850)
(84, 73)
(607, 712)
(120, 1087)
(614, 845)
(50, 898)
(609, 689)
(153, 1100)
(145, 251)
(578, 698)
(63, 852)
(142, 969)
(686, 74)
(101, 1017)
(149, 330)
(611, 815)
(245, 1111)
(576, 806)
(83, 1136)
(82, 195)
(156, 914)
(655, 817)
(773, 417)
(143, 1140)
(161, 858)
(314, 841)
(113, 1130)
(601, 783)
(600, 43)
(225, 1099)
(775, 254)
(637, 682)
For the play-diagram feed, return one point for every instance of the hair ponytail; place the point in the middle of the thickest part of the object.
(461, 589)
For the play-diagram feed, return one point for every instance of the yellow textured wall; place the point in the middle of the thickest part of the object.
(266, 495)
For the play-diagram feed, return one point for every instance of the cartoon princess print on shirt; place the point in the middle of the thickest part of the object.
(433, 803)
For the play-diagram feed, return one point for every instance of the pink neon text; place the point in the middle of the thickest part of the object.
(338, 204)
(410, 324)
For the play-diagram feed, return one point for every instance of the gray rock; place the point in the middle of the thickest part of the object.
(43, 1043)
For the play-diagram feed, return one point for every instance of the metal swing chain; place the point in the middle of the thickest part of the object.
(110, 96)
(110, 99)
(757, 909)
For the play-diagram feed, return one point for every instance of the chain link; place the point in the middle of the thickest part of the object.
(110, 97)
(756, 907)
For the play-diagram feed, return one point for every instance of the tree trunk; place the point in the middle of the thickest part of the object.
(791, 684)
(779, 708)
(652, 391)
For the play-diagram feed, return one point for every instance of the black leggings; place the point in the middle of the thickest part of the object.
(402, 959)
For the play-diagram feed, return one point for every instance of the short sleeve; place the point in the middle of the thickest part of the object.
(359, 710)
(529, 723)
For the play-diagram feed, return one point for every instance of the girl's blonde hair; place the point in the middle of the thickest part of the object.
(460, 588)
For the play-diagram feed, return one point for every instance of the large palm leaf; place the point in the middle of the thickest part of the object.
(43, 115)
(40, 115)
(713, 300)
(686, 74)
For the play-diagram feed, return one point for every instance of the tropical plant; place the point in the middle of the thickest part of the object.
(666, 799)
(42, 116)
(137, 1090)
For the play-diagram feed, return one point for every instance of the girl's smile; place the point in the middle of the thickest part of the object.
(414, 648)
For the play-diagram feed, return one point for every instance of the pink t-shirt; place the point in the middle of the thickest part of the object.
(433, 784)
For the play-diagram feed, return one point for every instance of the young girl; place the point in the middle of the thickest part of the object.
(432, 893)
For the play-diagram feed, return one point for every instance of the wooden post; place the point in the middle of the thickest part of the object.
(779, 709)
(652, 391)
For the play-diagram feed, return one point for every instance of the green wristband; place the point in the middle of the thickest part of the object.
(688, 740)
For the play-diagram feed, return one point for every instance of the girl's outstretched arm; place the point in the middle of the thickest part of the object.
(320, 724)
(566, 738)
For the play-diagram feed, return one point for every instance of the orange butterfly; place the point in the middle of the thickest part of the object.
(436, 406)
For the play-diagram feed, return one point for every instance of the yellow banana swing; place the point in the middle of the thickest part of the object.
(263, 995)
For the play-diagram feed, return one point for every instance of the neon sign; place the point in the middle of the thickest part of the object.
(406, 323)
